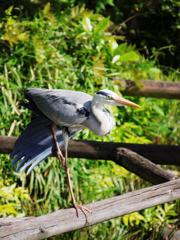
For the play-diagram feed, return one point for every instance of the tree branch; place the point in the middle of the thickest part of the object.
(65, 220)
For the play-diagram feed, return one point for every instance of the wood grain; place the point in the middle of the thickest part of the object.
(149, 88)
(142, 167)
(127, 158)
(159, 154)
(66, 220)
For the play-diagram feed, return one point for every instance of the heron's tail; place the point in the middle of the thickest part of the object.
(36, 143)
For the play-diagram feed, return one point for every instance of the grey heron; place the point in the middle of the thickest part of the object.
(60, 115)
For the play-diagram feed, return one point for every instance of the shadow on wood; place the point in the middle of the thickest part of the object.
(159, 154)
(62, 221)
(111, 151)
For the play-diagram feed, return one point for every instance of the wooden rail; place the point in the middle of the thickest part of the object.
(149, 88)
(66, 220)
(125, 157)
(138, 158)
(62, 221)
(159, 154)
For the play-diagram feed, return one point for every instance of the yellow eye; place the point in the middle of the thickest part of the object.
(108, 97)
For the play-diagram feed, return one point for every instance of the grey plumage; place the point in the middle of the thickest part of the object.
(61, 106)
(36, 142)
(67, 109)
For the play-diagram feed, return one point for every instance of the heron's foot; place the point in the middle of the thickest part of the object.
(61, 160)
(83, 210)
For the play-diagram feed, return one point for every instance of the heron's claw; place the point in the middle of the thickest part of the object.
(83, 210)
(61, 159)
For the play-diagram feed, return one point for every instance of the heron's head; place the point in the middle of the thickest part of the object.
(109, 97)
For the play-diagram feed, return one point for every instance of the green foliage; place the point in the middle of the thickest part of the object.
(152, 25)
(75, 49)
(12, 199)
(47, 53)
(152, 219)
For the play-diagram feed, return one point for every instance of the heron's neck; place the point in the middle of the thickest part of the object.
(104, 121)
(97, 110)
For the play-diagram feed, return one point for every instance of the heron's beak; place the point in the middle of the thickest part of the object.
(123, 101)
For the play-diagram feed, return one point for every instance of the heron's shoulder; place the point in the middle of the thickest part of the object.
(43, 91)
(61, 96)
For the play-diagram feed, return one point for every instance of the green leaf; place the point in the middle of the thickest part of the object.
(87, 24)
(126, 220)
(102, 26)
(110, 2)
(112, 44)
(8, 209)
(158, 110)
(46, 9)
(9, 10)
(131, 56)
(155, 70)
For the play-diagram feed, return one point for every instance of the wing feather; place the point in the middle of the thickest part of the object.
(63, 107)
(36, 143)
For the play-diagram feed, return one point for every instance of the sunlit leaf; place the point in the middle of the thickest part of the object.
(9, 10)
(102, 26)
(46, 9)
(23, 37)
(129, 57)
(115, 58)
(112, 44)
(86, 23)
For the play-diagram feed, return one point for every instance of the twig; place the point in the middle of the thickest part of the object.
(13, 125)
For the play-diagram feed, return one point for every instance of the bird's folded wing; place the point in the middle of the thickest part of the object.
(36, 143)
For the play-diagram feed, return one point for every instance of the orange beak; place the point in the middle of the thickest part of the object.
(125, 102)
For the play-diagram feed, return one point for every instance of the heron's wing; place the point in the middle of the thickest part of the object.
(36, 143)
(63, 107)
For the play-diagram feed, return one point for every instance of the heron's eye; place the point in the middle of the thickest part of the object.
(108, 97)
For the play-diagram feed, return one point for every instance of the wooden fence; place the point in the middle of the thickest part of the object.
(138, 158)
(149, 88)
(62, 221)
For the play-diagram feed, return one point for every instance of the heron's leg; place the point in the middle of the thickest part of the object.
(76, 206)
(59, 153)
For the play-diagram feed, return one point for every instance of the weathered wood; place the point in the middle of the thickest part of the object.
(63, 221)
(159, 154)
(142, 167)
(7, 144)
(172, 234)
(149, 88)
(137, 164)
